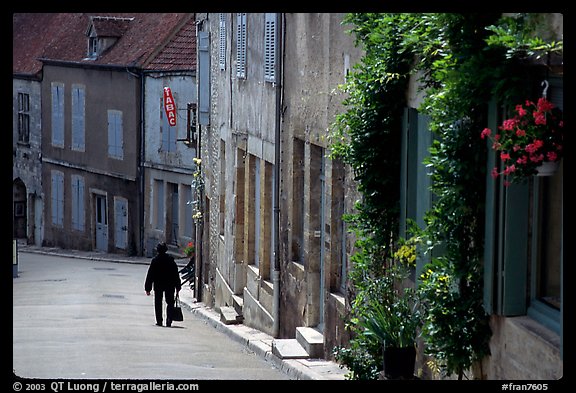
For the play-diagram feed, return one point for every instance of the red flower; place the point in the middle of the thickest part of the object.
(533, 134)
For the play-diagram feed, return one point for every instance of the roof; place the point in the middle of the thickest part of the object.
(144, 40)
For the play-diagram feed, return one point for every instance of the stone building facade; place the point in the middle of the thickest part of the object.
(276, 243)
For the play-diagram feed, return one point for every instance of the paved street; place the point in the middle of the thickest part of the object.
(79, 318)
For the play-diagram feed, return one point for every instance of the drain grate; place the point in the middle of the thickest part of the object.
(104, 268)
(111, 295)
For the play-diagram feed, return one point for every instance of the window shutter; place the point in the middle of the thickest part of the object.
(222, 42)
(241, 45)
(115, 137)
(491, 228)
(57, 198)
(270, 42)
(77, 203)
(58, 114)
(78, 122)
(203, 78)
(515, 264)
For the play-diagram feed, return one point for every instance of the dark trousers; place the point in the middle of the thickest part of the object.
(159, 295)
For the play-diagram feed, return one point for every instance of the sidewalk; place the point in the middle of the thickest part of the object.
(257, 341)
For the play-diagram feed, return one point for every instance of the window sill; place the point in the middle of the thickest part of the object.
(538, 330)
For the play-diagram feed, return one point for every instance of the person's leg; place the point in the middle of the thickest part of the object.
(169, 293)
(158, 295)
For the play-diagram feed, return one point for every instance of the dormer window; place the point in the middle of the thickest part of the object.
(92, 47)
(103, 32)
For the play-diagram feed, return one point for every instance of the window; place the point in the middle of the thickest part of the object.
(57, 114)
(115, 135)
(57, 198)
(78, 121)
(415, 182)
(222, 191)
(338, 236)
(78, 211)
(222, 42)
(93, 47)
(547, 239)
(167, 132)
(524, 242)
(256, 212)
(23, 117)
(297, 249)
(270, 43)
(239, 205)
(241, 45)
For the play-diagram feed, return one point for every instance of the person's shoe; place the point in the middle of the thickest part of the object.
(158, 323)
(168, 323)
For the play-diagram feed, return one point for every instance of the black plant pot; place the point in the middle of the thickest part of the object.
(399, 362)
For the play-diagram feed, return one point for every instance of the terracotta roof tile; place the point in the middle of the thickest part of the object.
(179, 53)
(141, 42)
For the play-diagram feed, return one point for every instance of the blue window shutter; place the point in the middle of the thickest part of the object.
(58, 114)
(57, 198)
(78, 122)
(115, 137)
(78, 203)
(203, 78)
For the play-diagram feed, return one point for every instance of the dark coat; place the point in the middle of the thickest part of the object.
(163, 274)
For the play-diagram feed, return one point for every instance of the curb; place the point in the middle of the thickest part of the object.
(261, 344)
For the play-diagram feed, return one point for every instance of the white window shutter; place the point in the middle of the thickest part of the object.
(270, 42)
(222, 42)
(241, 45)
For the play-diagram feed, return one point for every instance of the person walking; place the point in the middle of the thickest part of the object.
(163, 276)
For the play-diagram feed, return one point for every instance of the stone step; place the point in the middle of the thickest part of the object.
(238, 304)
(311, 340)
(288, 348)
(229, 316)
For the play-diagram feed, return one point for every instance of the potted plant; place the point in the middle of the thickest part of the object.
(394, 319)
(530, 143)
(189, 250)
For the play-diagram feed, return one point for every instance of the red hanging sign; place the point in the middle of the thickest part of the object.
(169, 107)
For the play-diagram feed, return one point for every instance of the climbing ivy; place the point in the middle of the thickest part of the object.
(463, 61)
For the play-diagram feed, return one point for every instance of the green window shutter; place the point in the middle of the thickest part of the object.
(515, 249)
(409, 157)
(506, 239)
(415, 182)
(491, 220)
(423, 181)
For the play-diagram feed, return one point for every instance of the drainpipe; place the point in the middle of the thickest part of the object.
(276, 201)
(142, 158)
(141, 74)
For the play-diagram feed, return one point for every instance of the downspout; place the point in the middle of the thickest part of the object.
(276, 201)
(140, 74)
(142, 159)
